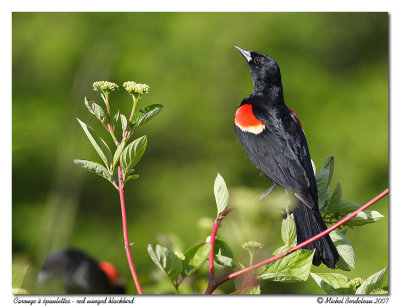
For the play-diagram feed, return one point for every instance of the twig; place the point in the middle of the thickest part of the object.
(212, 287)
(125, 230)
(135, 100)
(212, 242)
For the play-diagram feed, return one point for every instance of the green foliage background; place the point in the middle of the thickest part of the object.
(335, 76)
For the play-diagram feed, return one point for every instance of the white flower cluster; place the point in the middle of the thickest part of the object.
(135, 88)
(104, 86)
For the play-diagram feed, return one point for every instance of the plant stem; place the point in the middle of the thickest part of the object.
(125, 231)
(113, 137)
(176, 288)
(109, 127)
(133, 108)
(251, 258)
(217, 222)
(105, 98)
(212, 287)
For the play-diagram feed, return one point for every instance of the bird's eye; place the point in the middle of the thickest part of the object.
(257, 60)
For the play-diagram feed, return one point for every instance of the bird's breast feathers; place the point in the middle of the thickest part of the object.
(246, 121)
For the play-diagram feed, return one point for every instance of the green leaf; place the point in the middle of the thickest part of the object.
(99, 144)
(115, 118)
(227, 261)
(93, 167)
(365, 217)
(124, 122)
(281, 249)
(288, 230)
(224, 261)
(345, 207)
(166, 260)
(106, 147)
(347, 259)
(194, 258)
(248, 290)
(144, 115)
(342, 265)
(221, 194)
(118, 152)
(329, 164)
(130, 171)
(223, 254)
(291, 268)
(322, 178)
(373, 282)
(18, 275)
(96, 110)
(336, 195)
(127, 176)
(131, 177)
(335, 200)
(322, 199)
(133, 152)
(222, 248)
(332, 283)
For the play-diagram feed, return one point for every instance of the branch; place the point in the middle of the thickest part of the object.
(125, 230)
(217, 222)
(212, 287)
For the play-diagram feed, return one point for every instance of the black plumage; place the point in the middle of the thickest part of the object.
(71, 271)
(273, 138)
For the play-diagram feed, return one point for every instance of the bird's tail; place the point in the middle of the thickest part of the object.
(309, 223)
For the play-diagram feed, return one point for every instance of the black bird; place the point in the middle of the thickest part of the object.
(71, 271)
(273, 138)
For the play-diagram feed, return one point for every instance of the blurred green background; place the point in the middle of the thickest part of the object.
(335, 76)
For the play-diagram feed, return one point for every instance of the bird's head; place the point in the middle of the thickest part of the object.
(264, 70)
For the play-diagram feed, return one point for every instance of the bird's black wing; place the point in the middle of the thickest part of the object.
(278, 158)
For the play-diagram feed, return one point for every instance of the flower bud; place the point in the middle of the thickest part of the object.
(136, 89)
(251, 245)
(104, 86)
(180, 255)
(379, 291)
(356, 282)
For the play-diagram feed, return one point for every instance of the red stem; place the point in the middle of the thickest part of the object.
(212, 242)
(211, 256)
(212, 287)
(125, 230)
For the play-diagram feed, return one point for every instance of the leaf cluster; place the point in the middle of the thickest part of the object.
(334, 283)
(295, 267)
(127, 153)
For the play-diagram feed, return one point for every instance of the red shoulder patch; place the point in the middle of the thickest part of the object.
(246, 121)
(111, 272)
(296, 117)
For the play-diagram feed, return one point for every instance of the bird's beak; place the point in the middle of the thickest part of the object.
(245, 53)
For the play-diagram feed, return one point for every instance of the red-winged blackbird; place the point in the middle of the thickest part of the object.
(273, 138)
(73, 272)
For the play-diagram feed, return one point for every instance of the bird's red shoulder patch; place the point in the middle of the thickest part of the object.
(111, 272)
(246, 121)
(296, 117)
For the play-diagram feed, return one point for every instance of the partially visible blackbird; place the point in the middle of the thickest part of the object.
(71, 271)
(274, 140)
